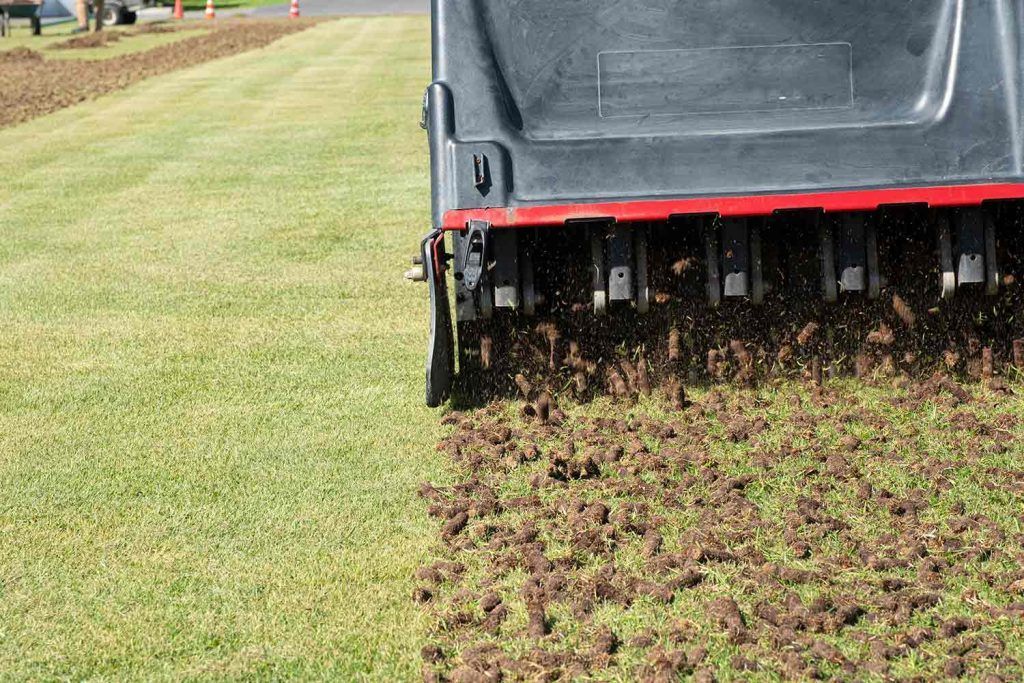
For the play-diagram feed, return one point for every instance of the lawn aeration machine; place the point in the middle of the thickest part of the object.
(586, 154)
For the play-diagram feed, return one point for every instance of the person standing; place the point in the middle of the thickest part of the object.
(82, 11)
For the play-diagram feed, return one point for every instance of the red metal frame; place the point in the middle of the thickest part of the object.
(756, 205)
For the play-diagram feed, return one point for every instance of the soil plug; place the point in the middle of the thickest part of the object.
(1018, 354)
(863, 365)
(455, 525)
(652, 544)
(816, 377)
(580, 378)
(550, 333)
(903, 311)
(808, 333)
(746, 361)
(643, 380)
(682, 265)
(605, 642)
(495, 618)
(544, 407)
(675, 351)
(489, 602)
(988, 369)
(785, 354)
(432, 654)
(714, 364)
(883, 336)
(538, 622)
(486, 349)
(616, 385)
(676, 394)
(631, 377)
(727, 613)
(524, 386)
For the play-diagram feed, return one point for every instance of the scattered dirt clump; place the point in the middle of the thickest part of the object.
(793, 531)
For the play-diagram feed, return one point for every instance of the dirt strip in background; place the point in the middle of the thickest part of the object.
(31, 85)
(797, 531)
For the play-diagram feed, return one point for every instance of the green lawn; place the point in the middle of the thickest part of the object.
(211, 420)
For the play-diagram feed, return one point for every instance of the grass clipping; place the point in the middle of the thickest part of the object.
(845, 531)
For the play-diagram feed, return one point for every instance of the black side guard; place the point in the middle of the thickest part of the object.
(441, 349)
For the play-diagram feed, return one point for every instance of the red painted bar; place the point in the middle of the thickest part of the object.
(756, 205)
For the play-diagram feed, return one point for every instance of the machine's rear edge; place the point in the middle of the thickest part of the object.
(733, 206)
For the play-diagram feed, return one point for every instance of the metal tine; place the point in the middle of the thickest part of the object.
(529, 292)
(712, 258)
(757, 287)
(640, 272)
(947, 275)
(993, 276)
(874, 272)
(829, 282)
(597, 267)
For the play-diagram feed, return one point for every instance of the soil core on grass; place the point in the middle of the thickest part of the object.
(850, 530)
(31, 85)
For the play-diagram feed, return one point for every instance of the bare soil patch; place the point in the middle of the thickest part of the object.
(31, 85)
(91, 40)
(798, 531)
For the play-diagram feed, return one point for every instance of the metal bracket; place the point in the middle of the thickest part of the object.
(970, 244)
(736, 258)
(849, 263)
(853, 276)
(481, 172)
(972, 258)
(505, 275)
(620, 264)
(472, 257)
(735, 264)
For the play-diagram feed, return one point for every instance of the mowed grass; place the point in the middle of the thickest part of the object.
(211, 419)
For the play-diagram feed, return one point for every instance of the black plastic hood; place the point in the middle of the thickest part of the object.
(554, 103)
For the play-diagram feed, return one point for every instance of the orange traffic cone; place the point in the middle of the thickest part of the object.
(210, 14)
(293, 13)
(179, 11)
